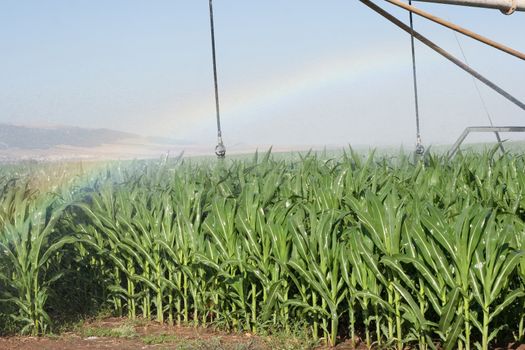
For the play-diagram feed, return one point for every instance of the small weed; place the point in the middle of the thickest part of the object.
(103, 313)
(97, 332)
(69, 326)
(124, 331)
(246, 346)
(7, 325)
(159, 339)
(297, 337)
(213, 343)
(201, 344)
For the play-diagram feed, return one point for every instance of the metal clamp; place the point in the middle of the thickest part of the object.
(220, 149)
(511, 9)
(420, 149)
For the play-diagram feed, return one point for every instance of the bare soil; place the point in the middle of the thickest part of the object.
(120, 334)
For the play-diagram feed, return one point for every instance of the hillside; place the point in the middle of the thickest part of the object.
(23, 137)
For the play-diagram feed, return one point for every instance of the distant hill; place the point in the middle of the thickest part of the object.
(24, 137)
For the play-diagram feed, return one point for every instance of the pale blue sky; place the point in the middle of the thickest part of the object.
(291, 72)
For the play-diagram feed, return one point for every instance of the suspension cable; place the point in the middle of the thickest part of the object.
(483, 103)
(419, 146)
(220, 150)
(474, 81)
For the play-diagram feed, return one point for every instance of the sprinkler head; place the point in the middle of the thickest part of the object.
(420, 150)
(220, 150)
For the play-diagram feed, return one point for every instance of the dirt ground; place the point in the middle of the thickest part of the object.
(120, 334)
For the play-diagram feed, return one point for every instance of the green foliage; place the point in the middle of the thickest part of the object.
(122, 331)
(159, 339)
(395, 252)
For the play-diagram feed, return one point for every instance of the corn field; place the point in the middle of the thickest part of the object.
(398, 253)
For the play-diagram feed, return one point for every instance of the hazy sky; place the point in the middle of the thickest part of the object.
(291, 72)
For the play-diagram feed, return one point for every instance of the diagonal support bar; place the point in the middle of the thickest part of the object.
(458, 29)
(506, 6)
(444, 53)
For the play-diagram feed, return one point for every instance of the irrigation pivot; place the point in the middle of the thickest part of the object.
(505, 6)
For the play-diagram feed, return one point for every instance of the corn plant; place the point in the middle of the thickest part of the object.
(423, 253)
(29, 246)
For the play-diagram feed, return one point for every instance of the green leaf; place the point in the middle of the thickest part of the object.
(449, 311)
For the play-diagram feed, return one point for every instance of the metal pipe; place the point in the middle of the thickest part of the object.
(494, 129)
(214, 61)
(220, 150)
(420, 150)
(444, 53)
(506, 6)
(458, 29)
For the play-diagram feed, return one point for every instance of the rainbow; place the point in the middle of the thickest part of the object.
(237, 103)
